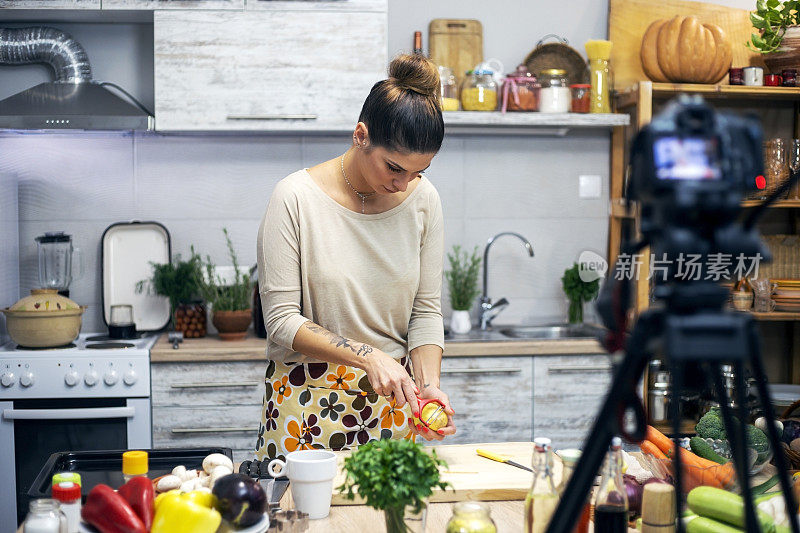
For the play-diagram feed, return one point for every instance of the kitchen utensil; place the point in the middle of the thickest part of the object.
(753, 76)
(427, 418)
(44, 319)
(558, 55)
(495, 457)
(128, 251)
(658, 508)
(121, 325)
(55, 261)
(311, 474)
(456, 43)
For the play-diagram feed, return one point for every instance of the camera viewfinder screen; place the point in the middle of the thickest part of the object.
(686, 159)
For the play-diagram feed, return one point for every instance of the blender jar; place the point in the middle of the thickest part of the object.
(55, 261)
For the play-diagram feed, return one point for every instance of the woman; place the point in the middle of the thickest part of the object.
(350, 272)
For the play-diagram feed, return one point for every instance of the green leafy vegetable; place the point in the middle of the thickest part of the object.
(771, 18)
(578, 292)
(462, 278)
(232, 297)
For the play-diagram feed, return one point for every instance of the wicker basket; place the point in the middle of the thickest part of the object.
(785, 264)
(792, 456)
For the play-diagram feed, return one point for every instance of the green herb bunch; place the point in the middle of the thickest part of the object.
(234, 297)
(578, 292)
(177, 280)
(392, 474)
(771, 18)
(462, 278)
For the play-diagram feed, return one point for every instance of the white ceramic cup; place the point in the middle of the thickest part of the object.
(753, 76)
(310, 474)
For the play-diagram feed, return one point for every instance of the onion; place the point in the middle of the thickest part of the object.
(635, 492)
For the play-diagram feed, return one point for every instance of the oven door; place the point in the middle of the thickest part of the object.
(32, 430)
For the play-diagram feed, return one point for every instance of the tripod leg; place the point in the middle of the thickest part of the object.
(676, 371)
(749, 504)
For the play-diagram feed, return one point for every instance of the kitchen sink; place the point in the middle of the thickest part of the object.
(552, 332)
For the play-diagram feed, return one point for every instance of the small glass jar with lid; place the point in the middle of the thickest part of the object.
(479, 91)
(555, 95)
(44, 516)
(471, 517)
(521, 91)
(448, 89)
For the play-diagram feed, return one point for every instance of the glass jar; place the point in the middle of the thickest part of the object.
(44, 516)
(135, 463)
(479, 91)
(581, 97)
(471, 517)
(554, 96)
(190, 319)
(448, 89)
(521, 91)
(599, 52)
(789, 76)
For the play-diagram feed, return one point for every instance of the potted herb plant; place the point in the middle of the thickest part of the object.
(778, 37)
(578, 292)
(230, 302)
(462, 282)
(396, 476)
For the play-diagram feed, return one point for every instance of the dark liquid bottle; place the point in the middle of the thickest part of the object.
(611, 503)
(610, 519)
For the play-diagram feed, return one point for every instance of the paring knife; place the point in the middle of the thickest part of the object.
(500, 459)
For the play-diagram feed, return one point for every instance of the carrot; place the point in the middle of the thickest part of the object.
(663, 442)
(699, 471)
(650, 448)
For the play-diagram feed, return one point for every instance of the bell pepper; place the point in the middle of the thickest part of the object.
(185, 512)
(139, 494)
(110, 513)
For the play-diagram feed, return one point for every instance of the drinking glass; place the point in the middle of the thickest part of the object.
(776, 170)
(794, 165)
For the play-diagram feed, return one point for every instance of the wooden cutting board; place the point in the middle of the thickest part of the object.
(456, 43)
(473, 477)
(628, 20)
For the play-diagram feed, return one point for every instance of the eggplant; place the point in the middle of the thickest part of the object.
(240, 499)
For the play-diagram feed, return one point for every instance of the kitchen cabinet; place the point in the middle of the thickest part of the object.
(567, 393)
(264, 70)
(207, 404)
(317, 5)
(49, 4)
(173, 4)
(492, 398)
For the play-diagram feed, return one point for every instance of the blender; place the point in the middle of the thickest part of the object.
(55, 261)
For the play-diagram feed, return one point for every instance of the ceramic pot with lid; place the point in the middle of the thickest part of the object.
(45, 319)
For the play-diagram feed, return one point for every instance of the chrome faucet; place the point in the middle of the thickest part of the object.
(490, 310)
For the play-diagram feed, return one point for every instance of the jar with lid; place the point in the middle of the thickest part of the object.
(479, 91)
(448, 89)
(471, 517)
(44, 516)
(68, 495)
(554, 96)
(581, 97)
(134, 464)
(521, 91)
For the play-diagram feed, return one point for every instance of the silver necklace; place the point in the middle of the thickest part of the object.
(361, 195)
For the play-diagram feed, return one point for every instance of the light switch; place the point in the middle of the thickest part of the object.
(589, 186)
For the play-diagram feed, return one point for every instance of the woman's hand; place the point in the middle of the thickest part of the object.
(388, 378)
(431, 392)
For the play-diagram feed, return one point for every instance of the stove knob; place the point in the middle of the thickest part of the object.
(26, 379)
(8, 379)
(111, 377)
(72, 378)
(91, 378)
(130, 377)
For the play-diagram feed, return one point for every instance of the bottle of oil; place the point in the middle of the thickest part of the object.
(569, 458)
(611, 502)
(542, 500)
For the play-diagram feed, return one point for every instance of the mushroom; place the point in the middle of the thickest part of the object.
(214, 460)
(219, 471)
(168, 482)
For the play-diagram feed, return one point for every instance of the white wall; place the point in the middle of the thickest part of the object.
(9, 246)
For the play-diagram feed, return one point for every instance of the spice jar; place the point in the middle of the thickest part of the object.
(554, 96)
(736, 76)
(789, 76)
(581, 97)
(521, 91)
(471, 517)
(448, 89)
(479, 91)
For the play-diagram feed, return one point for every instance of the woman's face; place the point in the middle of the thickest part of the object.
(388, 171)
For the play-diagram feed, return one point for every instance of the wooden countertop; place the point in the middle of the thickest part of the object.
(211, 348)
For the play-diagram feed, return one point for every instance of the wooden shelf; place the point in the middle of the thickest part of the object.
(629, 96)
(466, 122)
(777, 316)
(686, 428)
(778, 204)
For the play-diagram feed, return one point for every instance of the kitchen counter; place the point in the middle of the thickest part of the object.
(211, 348)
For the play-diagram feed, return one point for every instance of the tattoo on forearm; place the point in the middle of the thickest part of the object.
(425, 386)
(341, 342)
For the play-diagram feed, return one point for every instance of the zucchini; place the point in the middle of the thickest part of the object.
(703, 449)
(701, 524)
(724, 506)
(758, 490)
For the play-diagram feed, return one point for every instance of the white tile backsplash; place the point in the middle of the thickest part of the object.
(9, 247)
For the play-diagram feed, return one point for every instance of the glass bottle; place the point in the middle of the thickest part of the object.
(599, 52)
(44, 516)
(611, 501)
(134, 464)
(542, 500)
(479, 91)
(569, 459)
(471, 517)
(68, 495)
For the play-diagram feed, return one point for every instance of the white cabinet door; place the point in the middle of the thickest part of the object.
(567, 392)
(265, 70)
(49, 4)
(173, 4)
(492, 398)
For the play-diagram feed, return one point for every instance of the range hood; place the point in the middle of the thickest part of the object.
(73, 100)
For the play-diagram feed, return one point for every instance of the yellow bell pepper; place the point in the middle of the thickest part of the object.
(185, 512)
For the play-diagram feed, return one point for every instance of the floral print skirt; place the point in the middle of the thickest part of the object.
(315, 406)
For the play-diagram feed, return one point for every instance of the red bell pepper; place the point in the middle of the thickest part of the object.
(139, 494)
(110, 513)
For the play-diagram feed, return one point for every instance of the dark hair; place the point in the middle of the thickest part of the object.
(402, 113)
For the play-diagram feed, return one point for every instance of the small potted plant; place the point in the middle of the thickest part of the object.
(396, 476)
(230, 302)
(462, 282)
(778, 37)
(578, 292)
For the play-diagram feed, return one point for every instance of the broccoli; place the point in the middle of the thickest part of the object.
(758, 440)
(711, 425)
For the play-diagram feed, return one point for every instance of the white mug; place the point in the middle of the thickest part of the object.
(753, 76)
(310, 474)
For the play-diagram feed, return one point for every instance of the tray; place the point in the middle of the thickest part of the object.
(128, 249)
(105, 466)
(558, 55)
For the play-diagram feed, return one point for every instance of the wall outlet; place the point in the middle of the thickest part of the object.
(589, 186)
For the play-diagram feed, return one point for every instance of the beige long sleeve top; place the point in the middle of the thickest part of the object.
(373, 278)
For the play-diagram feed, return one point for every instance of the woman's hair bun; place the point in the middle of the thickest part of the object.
(416, 73)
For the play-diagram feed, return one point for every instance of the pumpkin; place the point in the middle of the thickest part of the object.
(685, 50)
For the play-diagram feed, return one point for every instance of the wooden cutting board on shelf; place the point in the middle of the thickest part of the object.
(628, 20)
(456, 43)
(473, 477)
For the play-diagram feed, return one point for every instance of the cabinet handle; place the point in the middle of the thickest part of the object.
(215, 385)
(577, 369)
(499, 370)
(215, 430)
(285, 116)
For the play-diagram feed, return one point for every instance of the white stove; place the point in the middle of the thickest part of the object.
(93, 394)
